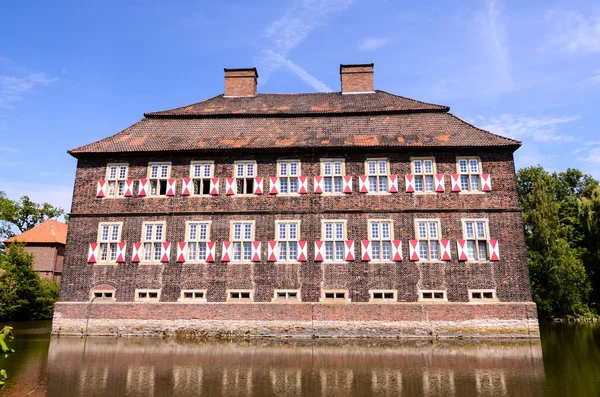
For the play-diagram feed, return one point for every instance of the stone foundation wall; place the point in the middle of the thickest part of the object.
(447, 320)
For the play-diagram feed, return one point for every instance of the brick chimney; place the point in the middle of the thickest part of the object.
(240, 82)
(357, 78)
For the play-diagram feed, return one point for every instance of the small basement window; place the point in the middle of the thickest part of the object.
(239, 296)
(147, 295)
(383, 296)
(103, 296)
(432, 296)
(335, 296)
(192, 295)
(482, 295)
(287, 295)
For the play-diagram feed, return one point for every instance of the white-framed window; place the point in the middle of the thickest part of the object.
(432, 296)
(197, 235)
(381, 236)
(286, 295)
(287, 236)
(147, 295)
(103, 295)
(244, 173)
(469, 170)
(377, 173)
(423, 169)
(482, 295)
(192, 295)
(428, 233)
(288, 172)
(158, 174)
(332, 171)
(334, 236)
(153, 235)
(200, 173)
(242, 236)
(475, 233)
(243, 295)
(335, 296)
(116, 175)
(379, 296)
(109, 235)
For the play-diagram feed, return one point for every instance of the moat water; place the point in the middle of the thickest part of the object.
(566, 362)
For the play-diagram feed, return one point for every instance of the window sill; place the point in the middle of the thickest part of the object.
(106, 264)
(334, 301)
(144, 302)
(433, 301)
(476, 261)
(383, 301)
(287, 262)
(377, 194)
(471, 192)
(183, 300)
(425, 193)
(115, 197)
(151, 263)
(336, 262)
(241, 262)
(283, 301)
(432, 262)
(484, 301)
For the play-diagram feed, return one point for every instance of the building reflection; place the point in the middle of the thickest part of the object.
(347, 368)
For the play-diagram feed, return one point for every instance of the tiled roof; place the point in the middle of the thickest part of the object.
(49, 231)
(298, 121)
(314, 103)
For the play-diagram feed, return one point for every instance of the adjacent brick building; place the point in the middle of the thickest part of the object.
(351, 213)
(46, 242)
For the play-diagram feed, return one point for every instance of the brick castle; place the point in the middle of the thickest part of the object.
(352, 213)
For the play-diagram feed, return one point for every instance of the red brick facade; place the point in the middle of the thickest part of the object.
(508, 276)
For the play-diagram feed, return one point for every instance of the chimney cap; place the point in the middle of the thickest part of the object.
(252, 69)
(355, 65)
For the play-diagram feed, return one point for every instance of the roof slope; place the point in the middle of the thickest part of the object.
(268, 121)
(49, 231)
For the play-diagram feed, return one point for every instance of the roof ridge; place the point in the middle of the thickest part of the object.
(157, 112)
(486, 131)
(415, 100)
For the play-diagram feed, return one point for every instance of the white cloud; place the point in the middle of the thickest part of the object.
(576, 32)
(495, 42)
(57, 195)
(8, 149)
(288, 31)
(372, 43)
(595, 79)
(12, 88)
(541, 129)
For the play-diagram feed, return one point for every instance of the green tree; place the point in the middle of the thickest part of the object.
(590, 220)
(23, 214)
(29, 296)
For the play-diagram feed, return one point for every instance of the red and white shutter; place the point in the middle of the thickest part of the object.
(143, 187)
(101, 188)
(393, 183)
(274, 185)
(318, 185)
(486, 183)
(181, 251)
(347, 184)
(258, 185)
(439, 182)
(461, 246)
(226, 254)
(414, 250)
(136, 253)
(409, 183)
(302, 254)
(272, 251)
(349, 250)
(365, 246)
(319, 251)
(171, 183)
(256, 251)
(396, 250)
(128, 188)
(446, 255)
(214, 186)
(210, 251)
(186, 186)
(165, 252)
(93, 253)
(455, 183)
(494, 250)
(121, 252)
(363, 184)
(303, 181)
(230, 186)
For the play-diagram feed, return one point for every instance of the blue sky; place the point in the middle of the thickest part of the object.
(72, 72)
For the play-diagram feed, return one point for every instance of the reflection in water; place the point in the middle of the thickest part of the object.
(145, 367)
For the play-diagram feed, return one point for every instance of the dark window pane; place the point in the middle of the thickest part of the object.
(153, 294)
(329, 295)
(293, 295)
(488, 295)
(388, 295)
(199, 295)
(235, 295)
(438, 295)
(196, 186)
(249, 186)
(340, 295)
(377, 295)
(163, 187)
(142, 294)
(98, 294)
(108, 294)
(188, 295)
(476, 295)
(245, 295)
(281, 294)
(206, 186)
(427, 295)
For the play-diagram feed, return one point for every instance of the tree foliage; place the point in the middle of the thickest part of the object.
(23, 294)
(23, 214)
(559, 238)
